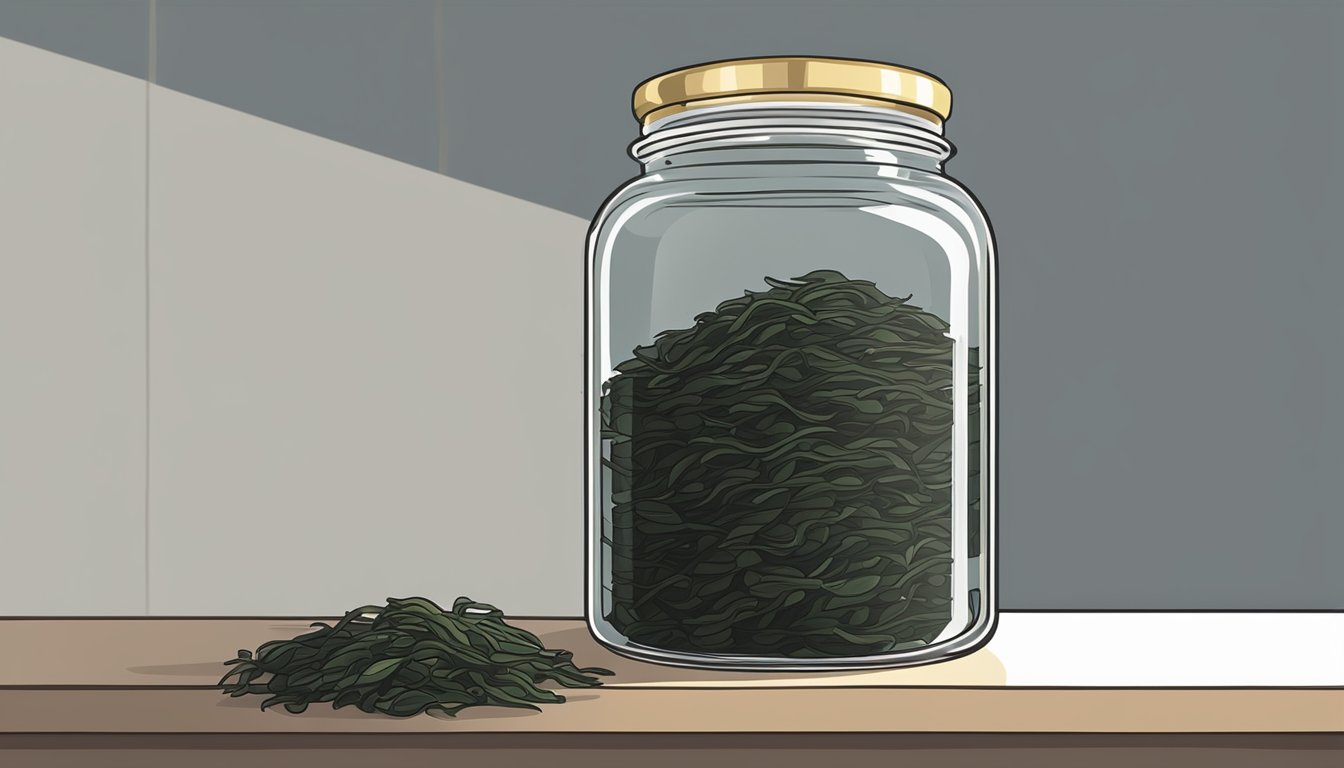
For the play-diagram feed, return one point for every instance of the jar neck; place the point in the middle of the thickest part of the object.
(792, 133)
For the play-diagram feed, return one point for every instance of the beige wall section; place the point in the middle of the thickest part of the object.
(72, 332)
(365, 377)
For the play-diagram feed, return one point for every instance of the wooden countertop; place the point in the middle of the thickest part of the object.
(1043, 673)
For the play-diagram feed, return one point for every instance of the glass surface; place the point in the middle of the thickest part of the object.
(785, 413)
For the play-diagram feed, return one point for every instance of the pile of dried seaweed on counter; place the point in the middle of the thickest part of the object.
(409, 657)
(781, 476)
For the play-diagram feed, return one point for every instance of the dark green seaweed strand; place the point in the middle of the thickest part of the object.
(780, 476)
(406, 658)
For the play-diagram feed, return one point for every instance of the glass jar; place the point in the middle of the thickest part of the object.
(791, 353)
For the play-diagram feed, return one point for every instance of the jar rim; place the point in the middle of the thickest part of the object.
(755, 125)
(837, 80)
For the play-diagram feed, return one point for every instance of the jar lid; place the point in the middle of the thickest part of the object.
(793, 78)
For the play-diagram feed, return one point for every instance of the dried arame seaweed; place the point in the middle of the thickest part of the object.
(780, 476)
(408, 657)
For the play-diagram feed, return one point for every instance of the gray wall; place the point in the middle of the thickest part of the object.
(1162, 178)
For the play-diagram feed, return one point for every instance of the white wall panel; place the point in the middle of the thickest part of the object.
(72, 336)
(365, 378)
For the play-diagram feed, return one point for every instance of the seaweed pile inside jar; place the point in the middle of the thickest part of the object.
(781, 476)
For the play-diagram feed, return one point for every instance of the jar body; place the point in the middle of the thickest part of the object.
(790, 354)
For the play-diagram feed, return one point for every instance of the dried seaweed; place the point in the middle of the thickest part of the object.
(780, 476)
(406, 658)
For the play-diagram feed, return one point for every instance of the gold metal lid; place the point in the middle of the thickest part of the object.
(793, 78)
